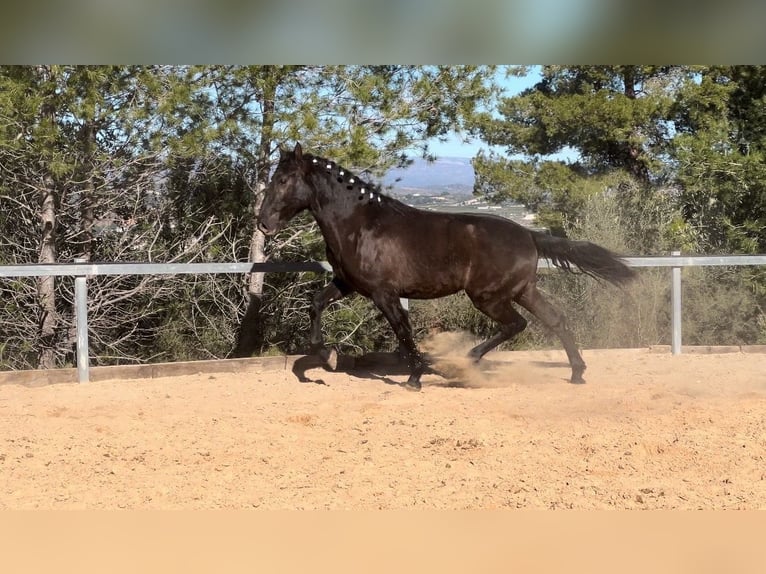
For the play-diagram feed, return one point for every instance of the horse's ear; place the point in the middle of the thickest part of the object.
(298, 151)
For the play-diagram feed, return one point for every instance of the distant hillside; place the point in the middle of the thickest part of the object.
(447, 185)
(452, 175)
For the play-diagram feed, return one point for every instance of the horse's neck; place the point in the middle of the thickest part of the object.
(337, 219)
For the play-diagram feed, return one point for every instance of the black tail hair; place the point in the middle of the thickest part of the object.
(588, 257)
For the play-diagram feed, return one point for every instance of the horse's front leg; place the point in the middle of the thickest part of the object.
(397, 317)
(333, 291)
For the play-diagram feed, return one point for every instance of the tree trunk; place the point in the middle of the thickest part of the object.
(250, 338)
(251, 335)
(633, 156)
(87, 194)
(46, 286)
(86, 199)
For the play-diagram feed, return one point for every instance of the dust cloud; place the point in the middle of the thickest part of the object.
(448, 356)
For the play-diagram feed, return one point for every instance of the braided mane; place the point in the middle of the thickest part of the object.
(365, 190)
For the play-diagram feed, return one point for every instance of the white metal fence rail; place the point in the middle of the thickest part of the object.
(80, 270)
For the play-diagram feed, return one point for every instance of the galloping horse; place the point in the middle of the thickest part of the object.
(383, 249)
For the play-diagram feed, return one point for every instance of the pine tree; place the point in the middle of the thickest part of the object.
(608, 119)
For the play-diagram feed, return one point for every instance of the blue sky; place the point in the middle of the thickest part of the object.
(455, 147)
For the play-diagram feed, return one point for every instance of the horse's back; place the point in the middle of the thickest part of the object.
(495, 249)
(427, 254)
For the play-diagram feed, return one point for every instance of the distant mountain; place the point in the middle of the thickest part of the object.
(453, 175)
(447, 185)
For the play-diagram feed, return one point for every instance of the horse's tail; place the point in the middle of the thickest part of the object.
(588, 257)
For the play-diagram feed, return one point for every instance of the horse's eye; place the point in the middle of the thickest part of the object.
(283, 180)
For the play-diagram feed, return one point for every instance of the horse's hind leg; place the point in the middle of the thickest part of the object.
(499, 308)
(333, 291)
(553, 319)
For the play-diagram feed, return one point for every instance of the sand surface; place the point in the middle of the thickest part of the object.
(648, 430)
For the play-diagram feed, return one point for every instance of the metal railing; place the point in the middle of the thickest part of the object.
(80, 270)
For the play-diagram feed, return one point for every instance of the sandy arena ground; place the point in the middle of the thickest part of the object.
(648, 430)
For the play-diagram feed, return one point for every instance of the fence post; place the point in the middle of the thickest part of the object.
(81, 322)
(675, 302)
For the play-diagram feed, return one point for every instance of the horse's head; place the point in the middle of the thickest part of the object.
(287, 194)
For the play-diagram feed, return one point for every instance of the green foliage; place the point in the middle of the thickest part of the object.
(721, 159)
(721, 305)
(553, 189)
(698, 132)
(613, 116)
(664, 157)
(167, 163)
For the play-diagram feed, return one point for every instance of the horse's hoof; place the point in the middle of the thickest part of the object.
(412, 385)
(330, 358)
(577, 372)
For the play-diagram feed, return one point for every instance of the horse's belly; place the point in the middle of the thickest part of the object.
(432, 290)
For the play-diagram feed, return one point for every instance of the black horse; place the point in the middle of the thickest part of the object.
(385, 250)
